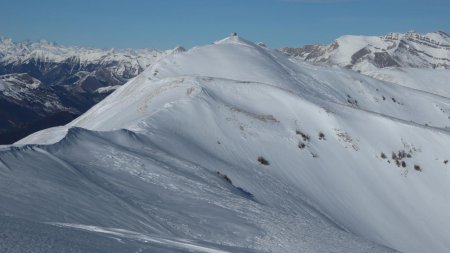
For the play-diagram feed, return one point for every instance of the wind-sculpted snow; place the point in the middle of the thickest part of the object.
(235, 145)
(123, 180)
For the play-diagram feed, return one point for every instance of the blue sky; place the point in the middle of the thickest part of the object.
(164, 24)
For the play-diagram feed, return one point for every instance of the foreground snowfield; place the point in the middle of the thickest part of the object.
(170, 160)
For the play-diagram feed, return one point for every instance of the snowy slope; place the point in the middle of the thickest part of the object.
(436, 81)
(127, 182)
(235, 144)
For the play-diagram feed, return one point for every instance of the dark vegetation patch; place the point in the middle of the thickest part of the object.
(351, 100)
(394, 156)
(301, 145)
(417, 167)
(396, 101)
(346, 138)
(304, 136)
(321, 136)
(398, 157)
(263, 161)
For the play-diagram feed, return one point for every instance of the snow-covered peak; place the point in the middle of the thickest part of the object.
(411, 49)
(408, 59)
(224, 59)
(176, 50)
(234, 39)
(179, 49)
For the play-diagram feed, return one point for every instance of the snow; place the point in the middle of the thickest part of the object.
(107, 89)
(3, 85)
(127, 182)
(149, 160)
(434, 81)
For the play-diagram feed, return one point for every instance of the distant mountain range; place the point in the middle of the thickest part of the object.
(44, 84)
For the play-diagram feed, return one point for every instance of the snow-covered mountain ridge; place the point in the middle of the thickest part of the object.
(431, 50)
(418, 61)
(234, 147)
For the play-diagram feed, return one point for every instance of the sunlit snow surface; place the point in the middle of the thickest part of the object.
(184, 175)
